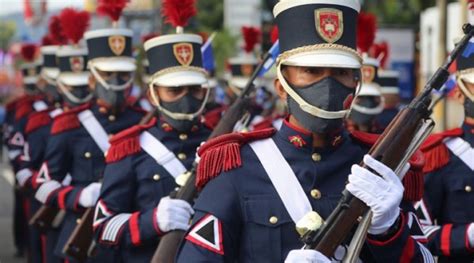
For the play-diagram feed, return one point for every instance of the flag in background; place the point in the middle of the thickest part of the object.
(274, 52)
(208, 54)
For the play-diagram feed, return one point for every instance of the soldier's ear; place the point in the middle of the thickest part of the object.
(458, 95)
(280, 90)
(92, 82)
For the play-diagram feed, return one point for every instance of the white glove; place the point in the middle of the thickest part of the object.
(23, 175)
(173, 214)
(45, 189)
(382, 194)
(90, 195)
(306, 255)
(470, 234)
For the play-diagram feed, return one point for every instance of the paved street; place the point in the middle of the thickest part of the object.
(6, 241)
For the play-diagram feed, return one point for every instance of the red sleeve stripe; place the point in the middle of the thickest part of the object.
(403, 222)
(446, 239)
(155, 223)
(134, 230)
(62, 196)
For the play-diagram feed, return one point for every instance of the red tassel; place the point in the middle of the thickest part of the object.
(222, 154)
(178, 12)
(368, 139)
(380, 51)
(47, 41)
(252, 36)
(23, 110)
(435, 151)
(366, 27)
(65, 122)
(36, 121)
(56, 32)
(111, 8)
(74, 23)
(123, 148)
(127, 142)
(28, 52)
(212, 117)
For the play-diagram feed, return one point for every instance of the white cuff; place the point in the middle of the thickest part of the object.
(23, 175)
(45, 190)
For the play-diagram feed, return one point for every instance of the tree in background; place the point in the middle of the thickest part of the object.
(7, 31)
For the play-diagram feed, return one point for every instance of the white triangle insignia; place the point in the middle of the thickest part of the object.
(422, 213)
(207, 233)
(17, 139)
(43, 174)
(101, 213)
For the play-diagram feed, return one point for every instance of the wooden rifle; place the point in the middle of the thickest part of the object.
(394, 147)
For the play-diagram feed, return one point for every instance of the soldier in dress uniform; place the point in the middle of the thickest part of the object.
(80, 137)
(16, 144)
(143, 162)
(257, 185)
(71, 82)
(369, 101)
(446, 206)
(388, 80)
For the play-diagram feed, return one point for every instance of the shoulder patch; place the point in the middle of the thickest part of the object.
(127, 142)
(68, 120)
(435, 151)
(222, 154)
(207, 233)
(37, 120)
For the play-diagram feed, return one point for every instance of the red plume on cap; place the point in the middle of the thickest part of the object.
(47, 41)
(366, 27)
(74, 23)
(274, 34)
(111, 8)
(251, 37)
(149, 36)
(28, 52)
(55, 31)
(178, 12)
(380, 52)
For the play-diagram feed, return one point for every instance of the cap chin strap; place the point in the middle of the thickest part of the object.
(50, 81)
(176, 115)
(305, 106)
(72, 97)
(465, 91)
(368, 111)
(107, 85)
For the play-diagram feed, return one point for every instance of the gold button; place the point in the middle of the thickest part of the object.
(87, 155)
(78, 221)
(156, 177)
(316, 157)
(468, 188)
(273, 220)
(183, 136)
(182, 156)
(316, 194)
(111, 117)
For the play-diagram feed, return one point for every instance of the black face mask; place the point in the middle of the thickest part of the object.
(327, 94)
(79, 92)
(188, 104)
(363, 118)
(31, 89)
(468, 108)
(52, 93)
(115, 99)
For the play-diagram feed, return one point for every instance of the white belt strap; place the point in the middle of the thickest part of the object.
(283, 178)
(55, 113)
(95, 130)
(40, 105)
(161, 154)
(462, 150)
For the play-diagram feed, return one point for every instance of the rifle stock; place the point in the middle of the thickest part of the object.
(169, 243)
(46, 218)
(392, 149)
(80, 241)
